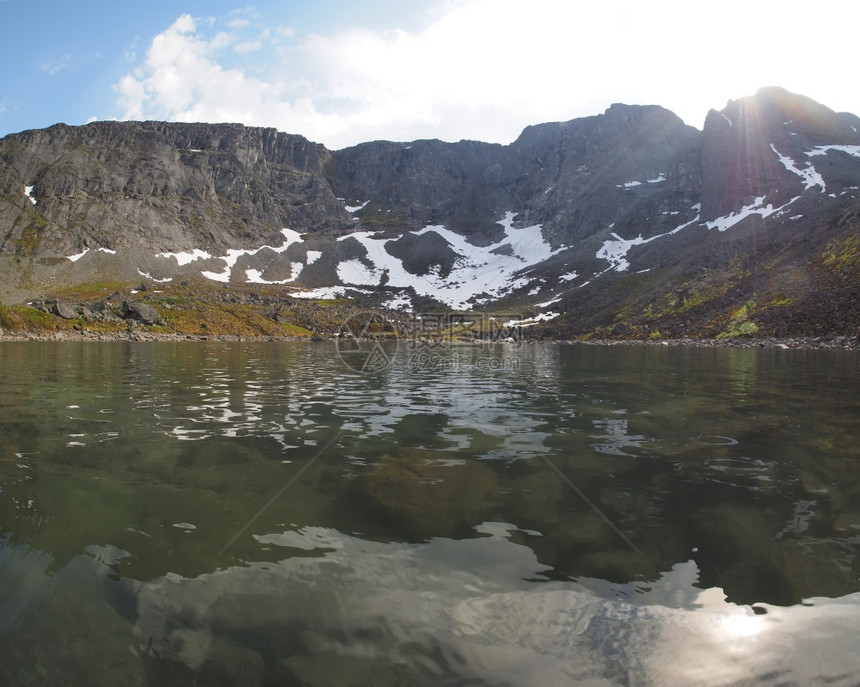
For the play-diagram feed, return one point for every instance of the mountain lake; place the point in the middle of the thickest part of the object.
(266, 513)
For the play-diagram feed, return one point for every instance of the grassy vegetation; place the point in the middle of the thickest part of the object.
(843, 254)
(23, 318)
(192, 309)
(740, 325)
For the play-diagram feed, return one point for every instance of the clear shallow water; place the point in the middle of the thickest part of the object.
(261, 514)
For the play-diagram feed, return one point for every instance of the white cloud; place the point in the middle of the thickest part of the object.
(479, 69)
(55, 66)
(248, 46)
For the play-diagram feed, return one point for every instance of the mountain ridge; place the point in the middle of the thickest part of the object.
(631, 202)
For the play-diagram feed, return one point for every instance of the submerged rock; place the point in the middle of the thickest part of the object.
(428, 493)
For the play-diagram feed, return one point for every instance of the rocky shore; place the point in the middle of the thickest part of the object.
(826, 342)
(138, 335)
(141, 334)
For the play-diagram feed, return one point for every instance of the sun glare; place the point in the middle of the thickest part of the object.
(743, 625)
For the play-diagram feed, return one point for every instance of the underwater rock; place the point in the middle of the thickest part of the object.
(428, 493)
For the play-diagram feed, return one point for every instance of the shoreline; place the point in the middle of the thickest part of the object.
(829, 342)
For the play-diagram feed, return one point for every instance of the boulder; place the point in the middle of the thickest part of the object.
(67, 312)
(139, 312)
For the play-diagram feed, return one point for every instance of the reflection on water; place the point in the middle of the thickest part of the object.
(261, 514)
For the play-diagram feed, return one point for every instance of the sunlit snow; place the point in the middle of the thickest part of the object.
(477, 274)
(28, 191)
(233, 255)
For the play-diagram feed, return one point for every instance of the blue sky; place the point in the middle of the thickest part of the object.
(344, 72)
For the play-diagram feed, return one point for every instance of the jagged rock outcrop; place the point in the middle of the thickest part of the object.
(158, 187)
(759, 147)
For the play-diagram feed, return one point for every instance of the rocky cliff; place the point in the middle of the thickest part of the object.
(628, 221)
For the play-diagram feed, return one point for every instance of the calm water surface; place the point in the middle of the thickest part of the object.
(262, 514)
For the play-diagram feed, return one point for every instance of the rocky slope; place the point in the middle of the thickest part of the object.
(628, 223)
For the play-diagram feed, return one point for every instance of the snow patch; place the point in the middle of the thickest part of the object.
(615, 250)
(629, 184)
(549, 303)
(810, 177)
(356, 208)
(313, 256)
(146, 275)
(233, 255)
(478, 273)
(356, 272)
(186, 258)
(402, 301)
(726, 118)
(28, 191)
(256, 277)
(757, 207)
(531, 321)
(324, 292)
(75, 258)
(854, 151)
(658, 179)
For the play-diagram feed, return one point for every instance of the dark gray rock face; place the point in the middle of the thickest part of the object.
(421, 254)
(164, 187)
(568, 176)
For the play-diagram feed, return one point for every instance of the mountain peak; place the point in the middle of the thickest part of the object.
(557, 216)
